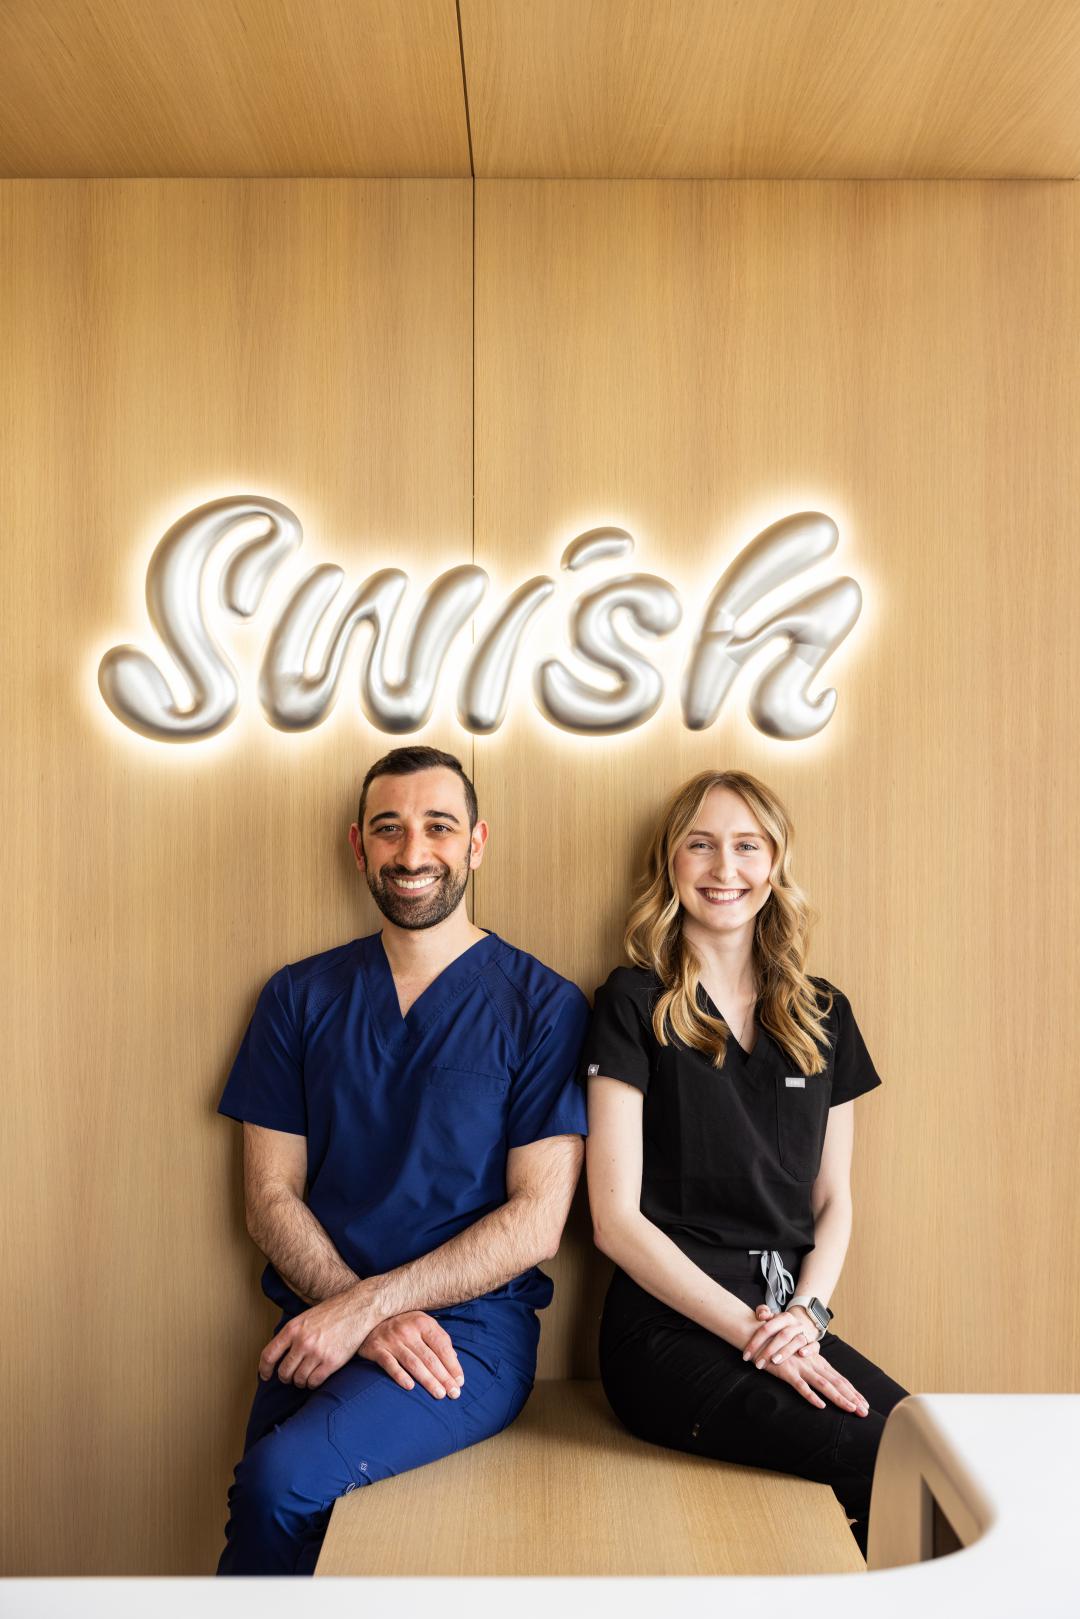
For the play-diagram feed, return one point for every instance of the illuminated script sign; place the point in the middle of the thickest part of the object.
(297, 691)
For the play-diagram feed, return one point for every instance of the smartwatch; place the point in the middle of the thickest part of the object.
(821, 1313)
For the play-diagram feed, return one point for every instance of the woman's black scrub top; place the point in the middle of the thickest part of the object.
(729, 1154)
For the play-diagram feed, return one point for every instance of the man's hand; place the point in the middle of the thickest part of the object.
(414, 1348)
(319, 1341)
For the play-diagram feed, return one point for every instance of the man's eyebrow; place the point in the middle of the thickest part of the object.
(430, 814)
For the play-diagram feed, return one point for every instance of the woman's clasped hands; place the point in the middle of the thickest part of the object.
(784, 1345)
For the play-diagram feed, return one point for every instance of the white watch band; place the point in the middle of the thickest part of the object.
(804, 1300)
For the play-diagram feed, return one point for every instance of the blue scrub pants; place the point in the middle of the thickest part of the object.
(305, 1447)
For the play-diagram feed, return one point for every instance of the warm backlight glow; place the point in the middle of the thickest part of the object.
(609, 686)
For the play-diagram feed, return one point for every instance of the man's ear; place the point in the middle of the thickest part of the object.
(357, 846)
(477, 840)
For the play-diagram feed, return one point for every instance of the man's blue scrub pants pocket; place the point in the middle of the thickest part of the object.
(305, 1448)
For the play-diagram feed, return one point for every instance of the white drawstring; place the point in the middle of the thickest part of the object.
(779, 1283)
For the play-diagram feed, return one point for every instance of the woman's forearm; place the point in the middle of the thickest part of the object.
(659, 1265)
(820, 1270)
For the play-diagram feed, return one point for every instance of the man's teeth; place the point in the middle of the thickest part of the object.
(416, 882)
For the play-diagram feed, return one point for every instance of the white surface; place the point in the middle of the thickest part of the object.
(1006, 1462)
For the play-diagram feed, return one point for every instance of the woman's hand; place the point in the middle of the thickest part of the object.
(809, 1373)
(791, 1328)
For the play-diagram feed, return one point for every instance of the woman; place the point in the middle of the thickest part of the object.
(721, 1085)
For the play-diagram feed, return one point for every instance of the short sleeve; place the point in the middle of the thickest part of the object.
(544, 1100)
(618, 1039)
(853, 1072)
(266, 1085)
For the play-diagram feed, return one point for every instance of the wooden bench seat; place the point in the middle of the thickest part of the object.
(565, 1490)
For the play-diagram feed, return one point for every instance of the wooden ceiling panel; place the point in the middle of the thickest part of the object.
(231, 88)
(774, 89)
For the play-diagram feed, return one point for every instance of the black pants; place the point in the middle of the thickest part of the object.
(674, 1383)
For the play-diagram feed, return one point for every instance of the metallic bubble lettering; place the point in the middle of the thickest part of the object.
(569, 702)
(131, 683)
(293, 700)
(595, 546)
(298, 687)
(485, 688)
(813, 626)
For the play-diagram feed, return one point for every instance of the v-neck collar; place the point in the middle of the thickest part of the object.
(765, 1052)
(429, 1005)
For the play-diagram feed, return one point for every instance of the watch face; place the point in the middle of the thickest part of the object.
(821, 1313)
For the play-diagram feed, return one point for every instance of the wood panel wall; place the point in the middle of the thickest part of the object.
(688, 361)
(163, 343)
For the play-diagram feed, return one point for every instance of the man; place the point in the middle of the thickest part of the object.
(420, 1084)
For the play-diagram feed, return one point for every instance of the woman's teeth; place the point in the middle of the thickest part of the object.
(724, 896)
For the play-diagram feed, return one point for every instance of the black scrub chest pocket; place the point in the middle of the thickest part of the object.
(801, 1106)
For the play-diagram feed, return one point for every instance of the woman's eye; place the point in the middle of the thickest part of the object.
(751, 846)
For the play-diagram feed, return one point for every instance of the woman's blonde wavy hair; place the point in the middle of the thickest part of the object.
(788, 1005)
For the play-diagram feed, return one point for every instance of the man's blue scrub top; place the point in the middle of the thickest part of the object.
(408, 1120)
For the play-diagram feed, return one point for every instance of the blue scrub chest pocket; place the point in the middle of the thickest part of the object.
(468, 1084)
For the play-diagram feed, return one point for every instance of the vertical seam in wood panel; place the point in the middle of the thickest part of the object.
(472, 447)
(465, 88)
(472, 450)
(472, 366)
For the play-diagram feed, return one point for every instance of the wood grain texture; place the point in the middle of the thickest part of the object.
(777, 89)
(188, 88)
(162, 343)
(689, 362)
(566, 1490)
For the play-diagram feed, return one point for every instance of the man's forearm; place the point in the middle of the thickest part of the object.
(486, 1255)
(294, 1242)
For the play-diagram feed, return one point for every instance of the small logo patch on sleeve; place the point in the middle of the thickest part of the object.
(594, 1068)
(795, 1082)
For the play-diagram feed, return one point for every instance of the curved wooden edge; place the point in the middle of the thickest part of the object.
(1000, 1468)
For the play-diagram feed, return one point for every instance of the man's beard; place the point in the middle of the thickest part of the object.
(431, 906)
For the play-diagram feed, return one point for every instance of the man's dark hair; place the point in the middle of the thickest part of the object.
(406, 762)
